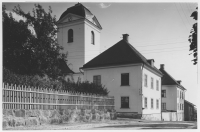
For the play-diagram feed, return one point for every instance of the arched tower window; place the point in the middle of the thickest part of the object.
(70, 35)
(92, 37)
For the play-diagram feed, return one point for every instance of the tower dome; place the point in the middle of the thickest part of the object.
(80, 10)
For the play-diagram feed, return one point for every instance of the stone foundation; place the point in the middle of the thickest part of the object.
(12, 118)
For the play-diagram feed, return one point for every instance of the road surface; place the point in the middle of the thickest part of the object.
(120, 123)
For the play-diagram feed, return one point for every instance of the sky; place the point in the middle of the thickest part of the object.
(157, 30)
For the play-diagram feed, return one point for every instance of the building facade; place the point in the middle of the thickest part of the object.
(189, 111)
(173, 95)
(133, 80)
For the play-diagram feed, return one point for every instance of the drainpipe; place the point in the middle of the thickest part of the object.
(80, 70)
(161, 98)
(141, 87)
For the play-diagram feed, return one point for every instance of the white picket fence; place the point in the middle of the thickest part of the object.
(22, 97)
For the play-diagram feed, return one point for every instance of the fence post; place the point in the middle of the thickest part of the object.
(104, 101)
(23, 97)
(56, 99)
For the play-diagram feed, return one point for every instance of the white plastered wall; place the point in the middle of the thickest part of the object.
(151, 93)
(111, 78)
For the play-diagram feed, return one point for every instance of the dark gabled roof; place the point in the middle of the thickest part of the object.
(167, 79)
(119, 54)
(80, 10)
(189, 102)
(64, 67)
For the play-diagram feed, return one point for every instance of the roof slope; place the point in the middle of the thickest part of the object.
(167, 79)
(119, 54)
(189, 103)
(64, 68)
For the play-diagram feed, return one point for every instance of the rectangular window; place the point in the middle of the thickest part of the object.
(124, 102)
(152, 82)
(145, 102)
(157, 85)
(163, 93)
(180, 94)
(145, 80)
(97, 79)
(177, 94)
(151, 103)
(125, 79)
(180, 106)
(163, 106)
(157, 104)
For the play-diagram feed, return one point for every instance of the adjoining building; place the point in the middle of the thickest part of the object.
(133, 80)
(173, 95)
(189, 111)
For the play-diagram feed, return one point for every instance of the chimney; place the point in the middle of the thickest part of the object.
(78, 4)
(179, 81)
(125, 37)
(162, 66)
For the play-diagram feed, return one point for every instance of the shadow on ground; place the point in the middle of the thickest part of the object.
(150, 126)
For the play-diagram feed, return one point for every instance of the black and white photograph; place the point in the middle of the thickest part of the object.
(99, 65)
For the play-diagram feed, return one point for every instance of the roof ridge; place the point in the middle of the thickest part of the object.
(140, 55)
(172, 78)
(134, 56)
(104, 51)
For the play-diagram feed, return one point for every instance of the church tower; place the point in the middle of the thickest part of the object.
(79, 34)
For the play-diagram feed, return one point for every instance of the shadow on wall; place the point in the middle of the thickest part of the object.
(135, 115)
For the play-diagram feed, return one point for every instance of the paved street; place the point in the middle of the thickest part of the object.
(142, 124)
(120, 123)
(162, 125)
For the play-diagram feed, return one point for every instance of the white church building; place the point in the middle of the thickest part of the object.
(133, 80)
(79, 34)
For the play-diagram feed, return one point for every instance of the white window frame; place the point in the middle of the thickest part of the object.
(145, 102)
(152, 103)
(162, 106)
(152, 81)
(157, 85)
(128, 103)
(157, 104)
(145, 80)
(97, 81)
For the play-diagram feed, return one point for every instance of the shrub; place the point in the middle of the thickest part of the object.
(59, 84)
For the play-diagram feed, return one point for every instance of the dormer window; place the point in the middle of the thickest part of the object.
(151, 62)
(70, 36)
(92, 37)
